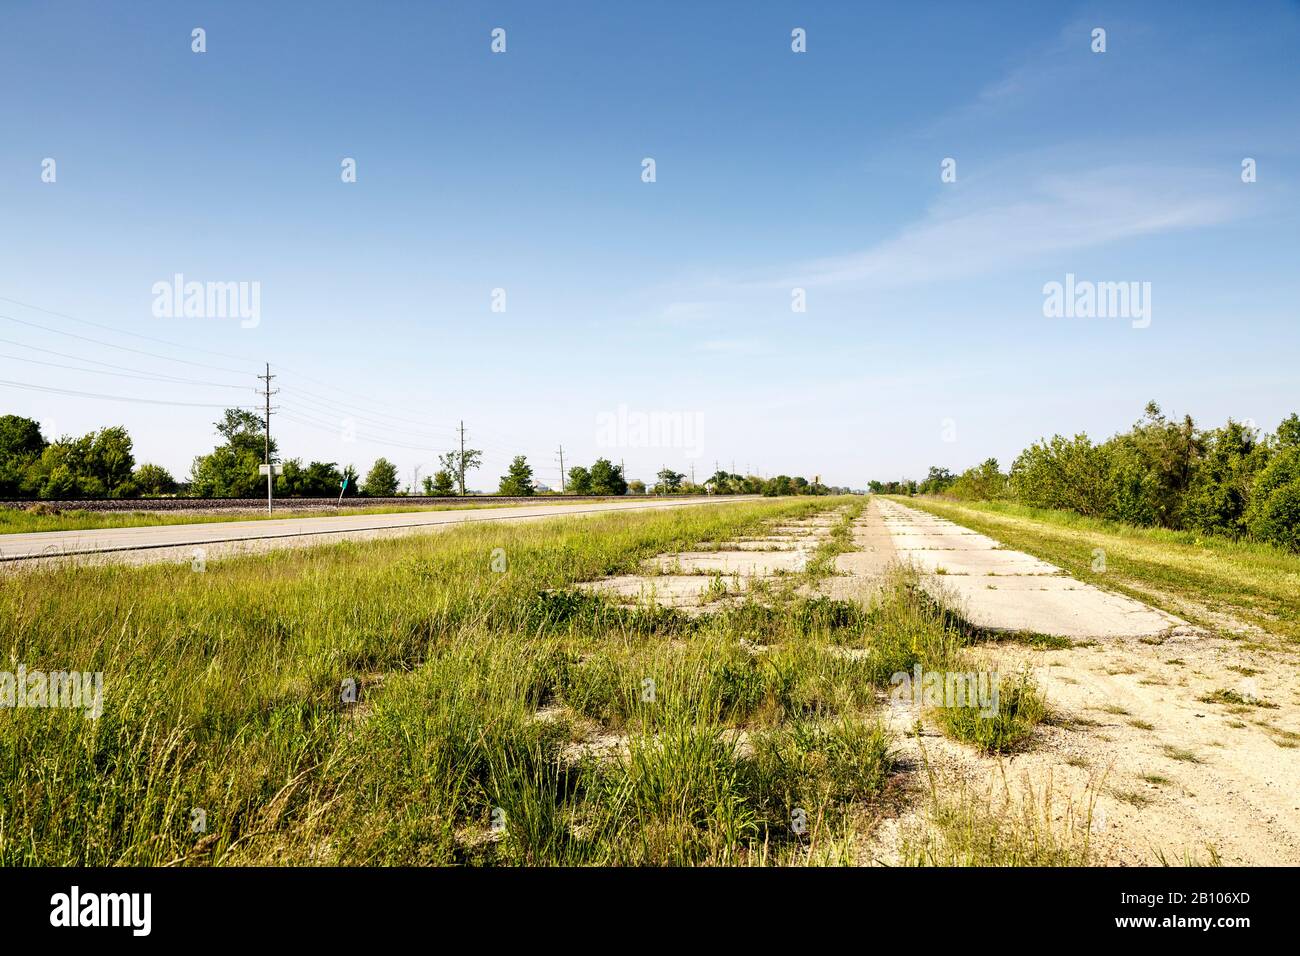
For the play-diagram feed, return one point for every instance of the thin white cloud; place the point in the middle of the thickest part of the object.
(732, 347)
(985, 231)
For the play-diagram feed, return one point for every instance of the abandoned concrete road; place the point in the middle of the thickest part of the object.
(1005, 590)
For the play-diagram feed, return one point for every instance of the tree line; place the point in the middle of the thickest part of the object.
(1234, 481)
(102, 465)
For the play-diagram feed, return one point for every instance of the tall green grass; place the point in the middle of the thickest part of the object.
(480, 695)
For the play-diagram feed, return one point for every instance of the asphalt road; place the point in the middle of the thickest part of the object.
(292, 531)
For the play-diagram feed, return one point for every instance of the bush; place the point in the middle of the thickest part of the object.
(153, 480)
(1227, 481)
(1274, 512)
(518, 481)
(382, 480)
(1220, 490)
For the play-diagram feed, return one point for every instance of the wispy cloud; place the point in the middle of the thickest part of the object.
(732, 347)
(985, 230)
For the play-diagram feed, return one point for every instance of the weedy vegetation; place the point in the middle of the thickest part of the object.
(402, 702)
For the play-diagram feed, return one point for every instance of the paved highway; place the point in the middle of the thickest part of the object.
(293, 532)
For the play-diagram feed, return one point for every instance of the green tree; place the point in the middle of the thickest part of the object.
(722, 483)
(1062, 472)
(1273, 513)
(607, 478)
(66, 470)
(780, 485)
(320, 479)
(518, 481)
(381, 482)
(1221, 487)
(459, 463)
(21, 445)
(1152, 466)
(670, 482)
(231, 470)
(1276, 516)
(579, 481)
(153, 480)
(1288, 433)
(937, 481)
(97, 465)
(442, 484)
(292, 480)
(112, 460)
(984, 482)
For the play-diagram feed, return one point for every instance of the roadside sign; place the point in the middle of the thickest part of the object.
(270, 469)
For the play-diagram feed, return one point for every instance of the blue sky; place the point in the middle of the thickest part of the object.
(924, 341)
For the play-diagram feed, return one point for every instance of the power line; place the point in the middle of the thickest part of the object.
(324, 409)
(117, 398)
(388, 416)
(322, 405)
(125, 373)
(110, 345)
(394, 437)
(351, 406)
(333, 430)
(110, 328)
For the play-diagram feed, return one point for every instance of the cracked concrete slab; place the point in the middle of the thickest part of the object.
(985, 562)
(1005, 590)
(860, 575)
(762, 544)
(942, 541)
(666, 590)
(747, 563)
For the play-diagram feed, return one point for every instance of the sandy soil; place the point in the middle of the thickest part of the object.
(1167, 774)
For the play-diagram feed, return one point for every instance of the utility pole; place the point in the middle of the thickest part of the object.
(461, 469)
(561, 469)
(270, 478)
